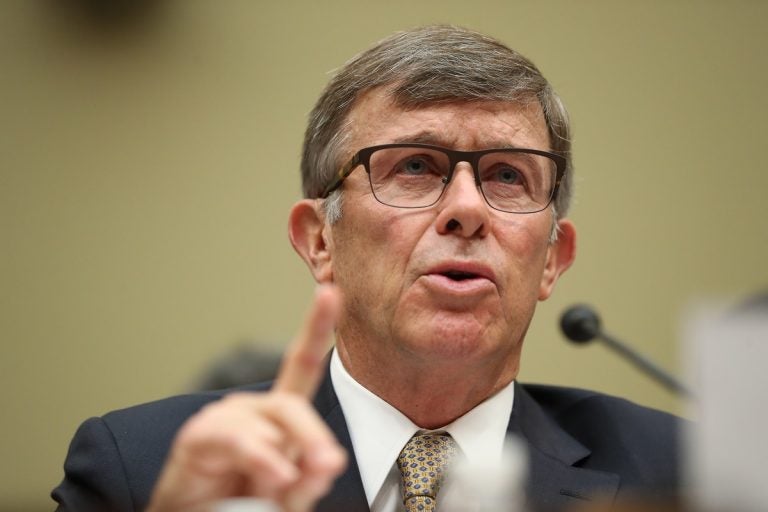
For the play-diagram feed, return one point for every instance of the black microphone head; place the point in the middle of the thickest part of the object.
(580, 323)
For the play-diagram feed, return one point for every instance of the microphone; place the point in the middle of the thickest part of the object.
(581, 324)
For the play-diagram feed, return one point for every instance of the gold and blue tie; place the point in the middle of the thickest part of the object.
(423, 462)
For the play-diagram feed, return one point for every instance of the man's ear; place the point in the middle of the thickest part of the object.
(310, 237)
(560, 256)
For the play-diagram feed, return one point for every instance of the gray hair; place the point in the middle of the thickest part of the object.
(424, 66)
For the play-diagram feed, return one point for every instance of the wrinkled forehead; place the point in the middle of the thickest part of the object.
(378, 116)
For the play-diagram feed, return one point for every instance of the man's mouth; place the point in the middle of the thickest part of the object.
(460, 280)
(458, 275)
(461, 276)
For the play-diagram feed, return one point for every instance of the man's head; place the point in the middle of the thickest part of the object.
(428, 65)
(450, 286)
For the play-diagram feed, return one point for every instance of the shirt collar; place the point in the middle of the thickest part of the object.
(379, 431)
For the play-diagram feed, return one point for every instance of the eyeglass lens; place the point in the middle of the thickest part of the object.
(415, 177)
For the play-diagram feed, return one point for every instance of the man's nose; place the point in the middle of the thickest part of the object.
(463, 209)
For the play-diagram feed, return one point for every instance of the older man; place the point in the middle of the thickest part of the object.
(437, 175)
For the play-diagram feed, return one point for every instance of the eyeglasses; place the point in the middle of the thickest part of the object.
(415, 175)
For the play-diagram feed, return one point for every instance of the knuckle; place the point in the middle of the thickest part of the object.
(330, 462)
(194, 430)
(285, 401)
(340, 461)
(219, 421)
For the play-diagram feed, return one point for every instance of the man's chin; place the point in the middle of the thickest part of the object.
(452, 336)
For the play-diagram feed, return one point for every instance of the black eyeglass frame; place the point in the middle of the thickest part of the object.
(363, 157)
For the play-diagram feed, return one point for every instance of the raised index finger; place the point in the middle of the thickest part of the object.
(302, 366)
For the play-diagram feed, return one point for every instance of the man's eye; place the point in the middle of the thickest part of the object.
(414, 166)
(508, 176)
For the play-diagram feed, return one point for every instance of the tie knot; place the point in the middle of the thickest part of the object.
(422, 464)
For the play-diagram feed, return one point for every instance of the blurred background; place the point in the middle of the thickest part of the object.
(149, 155)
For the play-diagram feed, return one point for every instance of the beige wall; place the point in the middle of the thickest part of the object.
(146, 172)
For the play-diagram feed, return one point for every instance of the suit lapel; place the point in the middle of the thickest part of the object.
(347, 493)
(554, 480)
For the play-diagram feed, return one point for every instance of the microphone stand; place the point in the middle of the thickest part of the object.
(581, 324)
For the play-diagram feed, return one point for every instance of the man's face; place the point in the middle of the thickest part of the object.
(398, 268)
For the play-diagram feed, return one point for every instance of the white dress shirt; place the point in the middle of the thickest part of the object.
(379, 431)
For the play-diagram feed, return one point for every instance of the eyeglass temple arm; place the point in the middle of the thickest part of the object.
(341, 175)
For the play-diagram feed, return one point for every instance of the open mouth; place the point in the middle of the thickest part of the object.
(462, 276)
(457, 275)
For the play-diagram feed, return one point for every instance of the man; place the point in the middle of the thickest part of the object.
(436, 171)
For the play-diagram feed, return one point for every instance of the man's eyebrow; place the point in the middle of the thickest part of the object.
(421, 138)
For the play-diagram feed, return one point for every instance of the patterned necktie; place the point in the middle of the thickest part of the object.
(422, 464)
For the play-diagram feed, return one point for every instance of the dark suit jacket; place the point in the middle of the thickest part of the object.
(582, 445)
